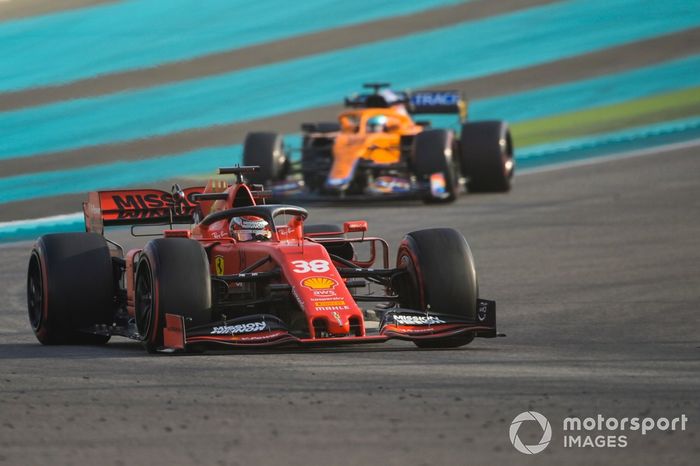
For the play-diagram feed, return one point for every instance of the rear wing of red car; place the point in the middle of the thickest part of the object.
(138, 207)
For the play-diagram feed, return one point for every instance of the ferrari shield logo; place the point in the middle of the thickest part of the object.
(219, 264)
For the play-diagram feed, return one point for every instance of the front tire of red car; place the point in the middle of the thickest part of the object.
(440, 273)
(172, 277)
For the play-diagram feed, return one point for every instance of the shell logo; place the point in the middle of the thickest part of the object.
(319, 283)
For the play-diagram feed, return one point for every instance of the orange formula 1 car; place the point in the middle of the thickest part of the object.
(377, 149)
(248, 275)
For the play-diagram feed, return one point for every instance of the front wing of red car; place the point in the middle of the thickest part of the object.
(264, 330)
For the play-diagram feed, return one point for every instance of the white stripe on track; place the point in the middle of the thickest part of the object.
(611, 158)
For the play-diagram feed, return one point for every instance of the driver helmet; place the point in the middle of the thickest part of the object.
(376, 124)
(250, 228)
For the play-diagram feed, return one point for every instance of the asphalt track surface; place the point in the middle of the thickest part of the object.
(596, 271)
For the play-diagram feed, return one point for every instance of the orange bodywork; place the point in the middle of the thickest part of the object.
(355, 142)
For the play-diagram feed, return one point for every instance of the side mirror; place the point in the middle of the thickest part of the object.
(347, 126)
(355, 226)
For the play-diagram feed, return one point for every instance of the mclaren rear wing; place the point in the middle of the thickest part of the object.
(435, 102)
(138, 207)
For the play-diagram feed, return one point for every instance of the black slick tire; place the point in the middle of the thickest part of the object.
(265, 150)
(486, 151)
(172, 277)
(70, 288)
(440, 274)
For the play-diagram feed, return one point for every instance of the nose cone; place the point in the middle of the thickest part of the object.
(338, 324)
(345, 158)
(335, 319)
(337, 184)
(341, 174)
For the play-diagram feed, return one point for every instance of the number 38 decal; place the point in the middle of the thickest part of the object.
(316, 266)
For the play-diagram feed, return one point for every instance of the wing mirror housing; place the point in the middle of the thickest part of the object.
(355, 226)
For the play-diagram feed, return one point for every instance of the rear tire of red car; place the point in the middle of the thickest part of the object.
(487, 156)
(432, 153)
(440, 274)
(265, 150)
(70, 288)
(172, 277)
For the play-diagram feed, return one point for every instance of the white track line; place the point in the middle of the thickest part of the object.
(19, 224)
(611, 158)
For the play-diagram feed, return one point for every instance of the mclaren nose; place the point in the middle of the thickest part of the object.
(337, 184)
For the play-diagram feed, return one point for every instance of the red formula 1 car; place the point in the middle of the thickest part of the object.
(248, 275)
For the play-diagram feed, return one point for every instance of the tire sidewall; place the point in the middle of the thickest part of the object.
(164, 257)
(406, 258)
(151, 336)
(41, 330)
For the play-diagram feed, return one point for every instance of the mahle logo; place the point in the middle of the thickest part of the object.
(546, 432)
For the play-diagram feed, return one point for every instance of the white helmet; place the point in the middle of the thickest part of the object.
(250, 228)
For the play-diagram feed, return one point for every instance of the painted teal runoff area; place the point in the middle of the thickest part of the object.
(107, 176)
(82, 43)
(589, 93)
(28, 229)
(605, 144)
(467, 50)
(115, 175)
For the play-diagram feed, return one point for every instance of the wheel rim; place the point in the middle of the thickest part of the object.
(409, 291)
(452, 171)
(509, 161)
(35, 293)
(144, 300)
